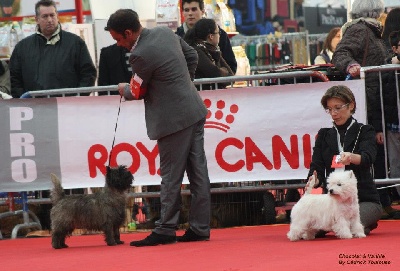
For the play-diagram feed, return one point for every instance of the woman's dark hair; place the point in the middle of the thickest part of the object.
(340, 92)
(200, 31)
(394, 38)
(328, 41)
(392, 23)
(123, 19)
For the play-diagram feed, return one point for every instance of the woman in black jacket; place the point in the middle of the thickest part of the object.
(362, 45)
(355, 146)
(204, 37)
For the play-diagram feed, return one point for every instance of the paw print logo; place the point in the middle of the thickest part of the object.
(220, 115)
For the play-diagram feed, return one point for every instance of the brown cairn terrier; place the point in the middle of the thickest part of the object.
(101, 211)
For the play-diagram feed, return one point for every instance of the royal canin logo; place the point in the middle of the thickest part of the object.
(219, 115)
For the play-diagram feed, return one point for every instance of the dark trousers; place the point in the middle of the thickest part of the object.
(180, 152)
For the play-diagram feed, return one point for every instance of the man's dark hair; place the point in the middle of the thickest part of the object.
(44, 3)
(201, 3)
(394, 38)
(123, 19)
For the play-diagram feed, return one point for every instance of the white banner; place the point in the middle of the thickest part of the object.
(260, 133)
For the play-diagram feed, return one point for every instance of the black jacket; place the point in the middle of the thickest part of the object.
(114, 67)
(224, 45)
(209, 64)
(37, 66)
(390, 95)
(326, 146)
(390, 92)
(362, 44)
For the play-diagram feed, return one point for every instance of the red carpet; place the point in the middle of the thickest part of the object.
(234, 249)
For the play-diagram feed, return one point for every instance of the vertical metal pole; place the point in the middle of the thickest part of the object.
(349, 4)
(79, 11)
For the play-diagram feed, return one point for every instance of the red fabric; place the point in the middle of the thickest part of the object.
(136, 88)
(243, 248)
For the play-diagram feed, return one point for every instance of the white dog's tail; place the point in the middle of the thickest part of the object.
(310, 185)
(57, 193)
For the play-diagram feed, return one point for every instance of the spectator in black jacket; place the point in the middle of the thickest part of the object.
(204, 37)
(193, 10)
(390, 98)
(50, 59)
(114, 66)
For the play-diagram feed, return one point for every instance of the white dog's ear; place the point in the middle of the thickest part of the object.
(351, 174)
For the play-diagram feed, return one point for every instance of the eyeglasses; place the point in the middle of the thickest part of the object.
(216, 33)
(193, 9)
(336, 109)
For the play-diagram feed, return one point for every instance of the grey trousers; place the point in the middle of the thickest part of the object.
(180, 152)
(370, 213)
(393, 146)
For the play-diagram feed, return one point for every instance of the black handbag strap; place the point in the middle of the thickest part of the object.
(358, 135)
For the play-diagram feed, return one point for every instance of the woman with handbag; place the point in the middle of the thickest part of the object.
(362, 45)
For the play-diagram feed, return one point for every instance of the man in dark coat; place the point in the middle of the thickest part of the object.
(50, 59)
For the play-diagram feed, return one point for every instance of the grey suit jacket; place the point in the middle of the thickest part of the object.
(166, 64)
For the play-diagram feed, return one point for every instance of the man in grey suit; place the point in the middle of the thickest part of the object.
(163, 68)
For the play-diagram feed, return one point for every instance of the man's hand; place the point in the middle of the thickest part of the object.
(121, 88)
(354, 70)
(125, 90)
(379, 138)
(312, 182)
(395, 60)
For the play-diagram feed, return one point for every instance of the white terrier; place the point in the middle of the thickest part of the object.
(337, 211)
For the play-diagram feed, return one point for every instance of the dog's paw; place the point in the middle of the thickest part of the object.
(119, 242)
(345, 236)
(308, 236)
(292, 237)
(359, 235)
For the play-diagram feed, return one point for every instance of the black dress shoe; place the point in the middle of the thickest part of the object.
(191, 236)
(396, 215)
(154, 239)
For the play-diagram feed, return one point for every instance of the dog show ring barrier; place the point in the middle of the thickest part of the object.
(30, 220)
(279, 185)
